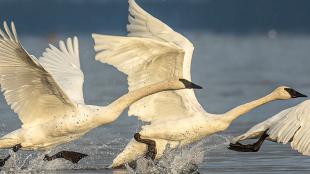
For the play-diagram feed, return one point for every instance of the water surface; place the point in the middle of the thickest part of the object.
(232, 70)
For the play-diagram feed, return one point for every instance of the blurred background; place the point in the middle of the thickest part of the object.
(243, 50)
(220, 16)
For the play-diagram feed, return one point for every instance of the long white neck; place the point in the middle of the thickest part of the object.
(233, 114)
(119, 105)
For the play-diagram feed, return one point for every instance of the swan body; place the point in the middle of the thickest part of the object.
(174, 133)
(67, 128)
(290, 125)
(47, 94)
(175, 117)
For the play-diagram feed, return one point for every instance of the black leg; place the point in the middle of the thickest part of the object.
(15, 149)
(249, 147)
(2, 161)
(151, 146)
(74, 157)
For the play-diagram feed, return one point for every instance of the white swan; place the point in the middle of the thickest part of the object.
(290, 125)
(48, 98)
(175, 117)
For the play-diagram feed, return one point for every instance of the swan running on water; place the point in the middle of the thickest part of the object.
(290, 125)
(47, 95)
(175, 117)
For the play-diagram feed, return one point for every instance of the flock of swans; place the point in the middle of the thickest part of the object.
(47, 95)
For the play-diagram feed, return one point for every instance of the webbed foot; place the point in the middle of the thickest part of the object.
(249, 147)
(74, 157)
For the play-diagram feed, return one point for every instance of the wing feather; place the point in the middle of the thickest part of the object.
(64, 66)
(143, 24)
(28, 88)
(146, 61)
(257, 130)
(150, 61)
(291, 125)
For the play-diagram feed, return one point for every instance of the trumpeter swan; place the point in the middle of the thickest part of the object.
(290, 125)
(175, 117)
(47, 95)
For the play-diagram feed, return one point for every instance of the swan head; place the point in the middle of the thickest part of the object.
(189, 85)
(285, 92)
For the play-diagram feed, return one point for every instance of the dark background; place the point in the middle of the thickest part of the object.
(224, 16)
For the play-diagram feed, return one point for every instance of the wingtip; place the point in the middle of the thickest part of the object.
(130, 1)
(6, 27)
(69, 40)
(127, 27)
(75, 38)
(133, 5)
(61, 42)
(75, 41)
(95, 38)
(93, 35)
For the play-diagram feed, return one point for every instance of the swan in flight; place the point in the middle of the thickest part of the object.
(47, 95)
(290, 125)
(174, 117)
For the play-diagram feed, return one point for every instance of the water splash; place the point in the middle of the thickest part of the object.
(181, 159)
(32, 161)
(178, 160)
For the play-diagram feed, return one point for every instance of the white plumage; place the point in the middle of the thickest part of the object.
(176, 117)
(64, 66)
(150, 39)
(47, 94)
(290, 125)
(28, 88)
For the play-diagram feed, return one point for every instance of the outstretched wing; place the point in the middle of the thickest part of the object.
(290, 125)
(294, 127)
(64, 66)
(143, 24)
(146, 61)
(182, 103)
(258, 130)
(28, 88)
(144, 28)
